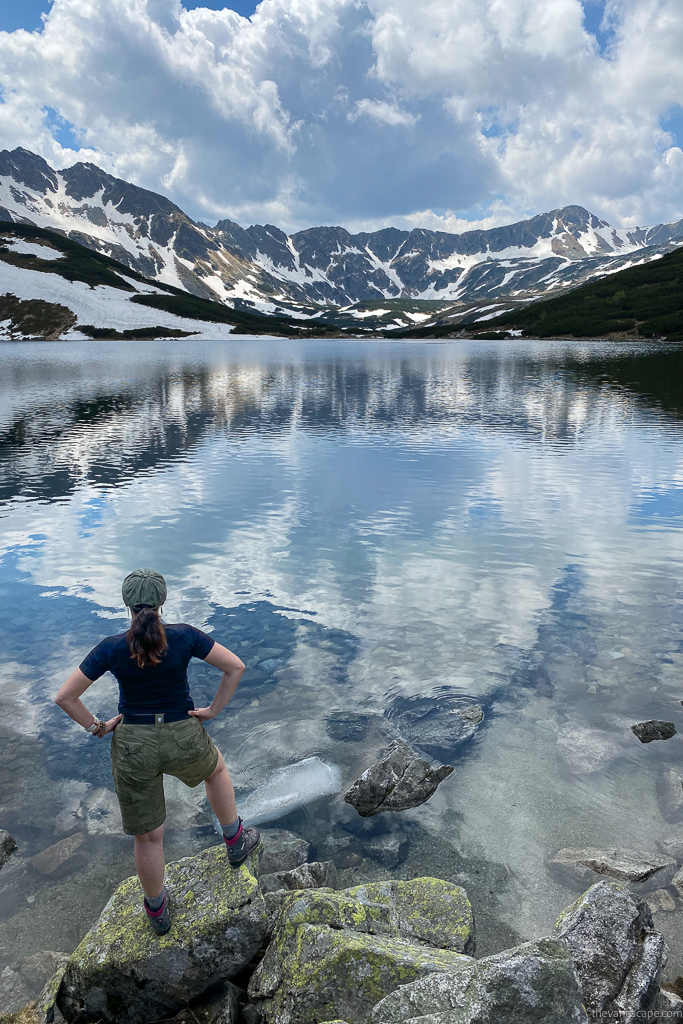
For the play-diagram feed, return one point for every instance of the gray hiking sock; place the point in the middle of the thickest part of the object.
(231, 830)
(154, 902)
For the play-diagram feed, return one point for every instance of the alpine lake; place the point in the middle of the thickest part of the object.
(386, 534)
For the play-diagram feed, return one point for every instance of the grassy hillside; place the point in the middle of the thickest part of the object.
(83, 264)
(644, 302)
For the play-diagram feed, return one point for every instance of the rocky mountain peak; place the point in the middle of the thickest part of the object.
(28, 169)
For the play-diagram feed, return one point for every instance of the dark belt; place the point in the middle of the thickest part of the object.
(158, 718)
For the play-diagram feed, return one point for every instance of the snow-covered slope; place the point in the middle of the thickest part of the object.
(53, 287)
(262, 268)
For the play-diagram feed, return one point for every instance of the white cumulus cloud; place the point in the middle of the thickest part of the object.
(361, 112)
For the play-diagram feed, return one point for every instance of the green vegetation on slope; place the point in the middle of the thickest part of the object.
(77, 264)
(35, 318)
(645, 301)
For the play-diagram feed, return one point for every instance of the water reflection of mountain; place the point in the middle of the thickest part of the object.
(66, 426)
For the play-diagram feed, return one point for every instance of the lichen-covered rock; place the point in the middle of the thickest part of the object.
(427, 910)
(533, 982)
(399, 780)
(617, 953)
(122, 973)
(7, 846)
(282, 850)
(41, 1010)
(317, 875)
(333, 956)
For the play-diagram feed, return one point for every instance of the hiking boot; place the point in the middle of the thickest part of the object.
(160, 919)
(241, 845)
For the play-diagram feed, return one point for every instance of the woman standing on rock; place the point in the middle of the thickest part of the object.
(158, 730)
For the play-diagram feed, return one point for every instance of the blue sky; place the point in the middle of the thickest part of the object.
(364, 113)
(26, 14)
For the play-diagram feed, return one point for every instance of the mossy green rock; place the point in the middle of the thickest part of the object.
(428, 909)
(535, 982)
(122, 973)
(335, 955)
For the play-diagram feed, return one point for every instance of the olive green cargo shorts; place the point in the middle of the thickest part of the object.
(140, 757)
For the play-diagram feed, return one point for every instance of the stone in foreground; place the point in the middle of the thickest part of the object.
(282, 850)
(427, 910)
(7, 846)
(122, 973)
(533, 982)
(333, 956)
(622, 865)
(399, 780)
(653, 730)
(617, 953)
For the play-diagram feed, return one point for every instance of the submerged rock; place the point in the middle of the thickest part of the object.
(282, 850)
(335, 955)
(62, 857)
(584, 751)
(7, 846)
(617, 953)
(307, 876)
(440, 729)
(347, 726)
(653, 730)
(122, 973)
(623, 865)
(533, 982)
(345, 851)
(388, 850)
(401, 779)
(669, 787)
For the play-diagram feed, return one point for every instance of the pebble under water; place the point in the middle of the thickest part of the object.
(386, 534)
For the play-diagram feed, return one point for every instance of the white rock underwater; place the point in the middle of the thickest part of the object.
(288, 788)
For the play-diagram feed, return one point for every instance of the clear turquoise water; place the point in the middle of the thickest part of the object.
(374, 528)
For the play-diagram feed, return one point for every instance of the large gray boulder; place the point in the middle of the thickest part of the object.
(617, 953)
(334, 955)
(535, 982)
(399, 780)
(122, 973)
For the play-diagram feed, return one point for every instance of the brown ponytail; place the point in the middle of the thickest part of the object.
(146, 637)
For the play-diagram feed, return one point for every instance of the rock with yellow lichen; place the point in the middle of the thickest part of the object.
(122, 973)
(334, 955)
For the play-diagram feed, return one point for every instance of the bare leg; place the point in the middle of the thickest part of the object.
(220, 794)
(149, 861)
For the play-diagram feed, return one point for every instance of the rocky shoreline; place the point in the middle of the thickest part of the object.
(274, 942)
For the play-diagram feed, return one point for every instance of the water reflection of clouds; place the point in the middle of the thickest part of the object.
(372, 536)
(466, 517)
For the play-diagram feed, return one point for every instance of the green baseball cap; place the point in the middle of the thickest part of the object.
(144, 586)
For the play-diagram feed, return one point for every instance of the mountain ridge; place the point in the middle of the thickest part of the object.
(326, 272)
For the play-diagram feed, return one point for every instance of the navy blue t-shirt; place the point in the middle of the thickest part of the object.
(163, 687)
